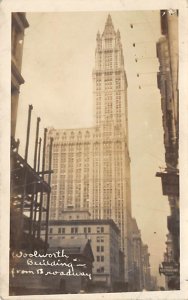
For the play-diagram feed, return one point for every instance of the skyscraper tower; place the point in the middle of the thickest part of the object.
(110, 96)
(109, 79)
(111, 156)
(92, 165)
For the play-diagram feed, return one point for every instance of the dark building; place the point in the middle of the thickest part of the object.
(65, 268)
(80, 253)
(167, 52)
(27, 184)
(19, 24)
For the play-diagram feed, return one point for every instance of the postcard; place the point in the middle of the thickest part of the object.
(93, 150)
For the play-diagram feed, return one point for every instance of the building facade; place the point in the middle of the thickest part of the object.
(27, 184)
(146, 267)
(137, 257)
(19, 24)
(92, 165)
(141, 262)
(167, 52)
(105, 244)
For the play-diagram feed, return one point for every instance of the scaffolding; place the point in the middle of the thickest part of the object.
(30, 194)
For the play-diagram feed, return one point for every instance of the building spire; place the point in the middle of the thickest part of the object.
(109, 27)
(109, 20)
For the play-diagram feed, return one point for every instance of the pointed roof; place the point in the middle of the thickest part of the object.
(109, 27)
(75, 246)
(109, 20)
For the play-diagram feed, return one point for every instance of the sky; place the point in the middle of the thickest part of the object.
(58, 58)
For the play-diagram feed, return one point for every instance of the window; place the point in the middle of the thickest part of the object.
(74, 230)
(100, 229)
(100, 248)
(100, 258)
(100, 270)
(87, 229)
(50, 230)
(100, 239)
(59, 230)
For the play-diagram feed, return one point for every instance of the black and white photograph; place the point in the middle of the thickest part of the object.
(105, 89)
(94, 153)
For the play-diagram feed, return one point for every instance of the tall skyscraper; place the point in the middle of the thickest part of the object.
(92, 165)
(111, 164)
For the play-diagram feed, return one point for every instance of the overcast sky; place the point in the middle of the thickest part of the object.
(59, 52)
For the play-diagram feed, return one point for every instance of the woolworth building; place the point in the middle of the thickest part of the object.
(91, 166)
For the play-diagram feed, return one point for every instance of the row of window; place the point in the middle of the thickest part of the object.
(74, 230)
(108, 64)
